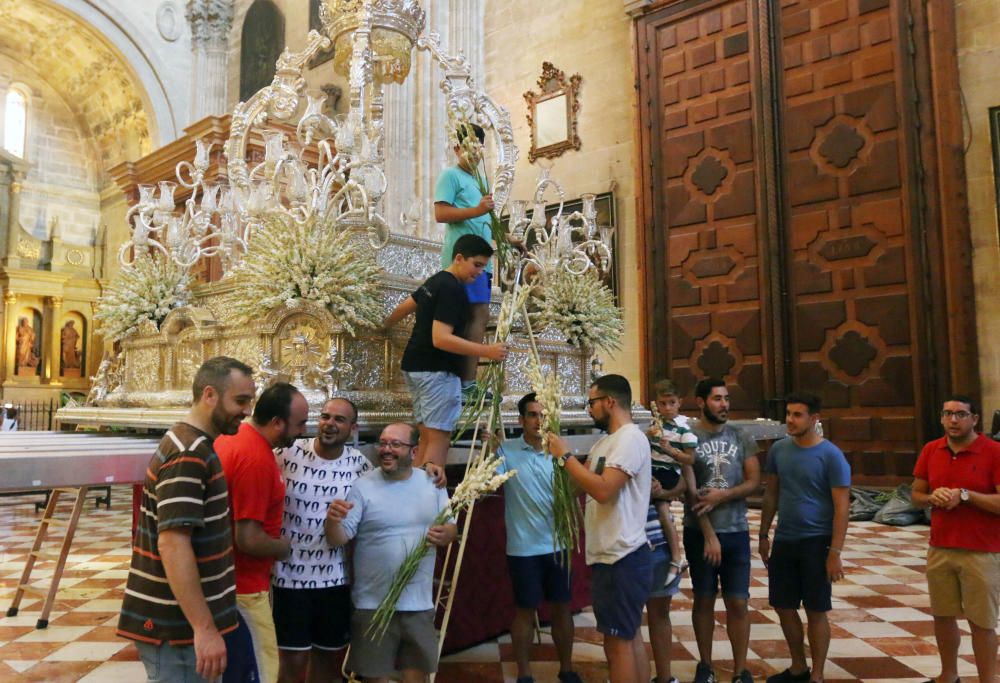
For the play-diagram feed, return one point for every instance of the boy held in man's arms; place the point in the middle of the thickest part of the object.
(672, 445)
(432, 359)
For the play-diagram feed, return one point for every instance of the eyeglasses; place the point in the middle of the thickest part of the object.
(590, 401)
(394, 445)
(960, 414)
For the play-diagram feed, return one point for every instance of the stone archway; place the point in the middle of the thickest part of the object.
(82, 64)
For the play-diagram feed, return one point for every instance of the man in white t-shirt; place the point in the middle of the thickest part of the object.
(617, 480)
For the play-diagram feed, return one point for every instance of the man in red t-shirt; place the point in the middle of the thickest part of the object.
(959, 477)
(257, 500)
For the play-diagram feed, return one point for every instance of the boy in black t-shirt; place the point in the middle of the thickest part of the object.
(432, 359)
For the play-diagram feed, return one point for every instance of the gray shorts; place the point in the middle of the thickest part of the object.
(411, 642)
(437, 399)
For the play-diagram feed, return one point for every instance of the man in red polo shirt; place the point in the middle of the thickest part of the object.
(959, 477)
(257, 501)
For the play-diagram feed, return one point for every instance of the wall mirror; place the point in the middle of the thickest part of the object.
(552, 113)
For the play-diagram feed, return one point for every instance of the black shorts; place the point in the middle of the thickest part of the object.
(305, 618)
(796, 573)
(538, 577)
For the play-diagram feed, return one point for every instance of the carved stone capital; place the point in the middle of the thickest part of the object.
(55, 302)
(211, 21)
(9, 298)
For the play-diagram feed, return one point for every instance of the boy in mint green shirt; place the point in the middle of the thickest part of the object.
(464, 209)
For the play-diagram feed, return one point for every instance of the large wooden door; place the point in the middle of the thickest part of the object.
(785, 214)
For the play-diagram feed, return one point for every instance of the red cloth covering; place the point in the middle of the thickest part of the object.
(976, 468)
(257, 492)
(484, 597)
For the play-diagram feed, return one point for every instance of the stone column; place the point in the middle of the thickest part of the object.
(50, 360)
(10, 334)
(400, 153)
(211, 21)
(14, 218)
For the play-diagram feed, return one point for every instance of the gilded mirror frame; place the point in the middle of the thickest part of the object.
(552, 84)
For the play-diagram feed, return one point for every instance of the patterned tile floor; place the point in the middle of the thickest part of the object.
(881, 627)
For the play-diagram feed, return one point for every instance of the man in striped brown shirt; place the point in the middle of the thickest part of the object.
(181, 592)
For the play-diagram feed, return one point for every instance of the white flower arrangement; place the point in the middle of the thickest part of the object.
(141, 296)
(480, 479)
(582, 308)
(565, 506)
(289, 262)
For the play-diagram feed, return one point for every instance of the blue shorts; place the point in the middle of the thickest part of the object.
(661, 567)
(733, 572)
(241, 660)
(437, 399)
(538, 577)
(796, 573)
(479, 289)
(619, 592)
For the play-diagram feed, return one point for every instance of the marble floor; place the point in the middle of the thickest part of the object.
(882, 630)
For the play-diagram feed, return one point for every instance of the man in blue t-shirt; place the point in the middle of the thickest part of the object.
(536, 569)
(460, 204)
(809, 485)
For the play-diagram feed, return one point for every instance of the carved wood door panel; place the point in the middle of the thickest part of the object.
(778, 198)
(705, 308)
(850, 273)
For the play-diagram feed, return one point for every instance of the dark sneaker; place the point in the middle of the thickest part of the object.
(672, 680)
(525, 679)
(746, 677)
(569, 677)
(787, 676)
(704, 674)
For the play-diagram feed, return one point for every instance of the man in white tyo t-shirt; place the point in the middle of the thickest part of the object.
(311, 593)
(617, 479)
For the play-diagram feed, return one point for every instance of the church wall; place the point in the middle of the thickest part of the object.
(592, 38)
(61, 184)
(979, 52)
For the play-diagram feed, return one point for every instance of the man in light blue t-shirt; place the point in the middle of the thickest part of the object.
(389, 511)
(809, 485)
(536, 569)
(460, 204)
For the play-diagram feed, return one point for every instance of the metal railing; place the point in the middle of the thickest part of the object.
(34, 416)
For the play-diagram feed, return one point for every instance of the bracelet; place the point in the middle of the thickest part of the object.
(833, 550)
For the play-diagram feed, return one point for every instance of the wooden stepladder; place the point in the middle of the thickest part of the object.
(47, 522)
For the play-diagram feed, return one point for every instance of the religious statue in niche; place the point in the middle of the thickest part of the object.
(26, 351)
(70, 355)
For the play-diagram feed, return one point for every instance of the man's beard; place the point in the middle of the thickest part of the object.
(223, 423)
(713, 418)
(285, 440)
(602, 422)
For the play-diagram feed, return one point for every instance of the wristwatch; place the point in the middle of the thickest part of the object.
(561, 460)
(963, 495)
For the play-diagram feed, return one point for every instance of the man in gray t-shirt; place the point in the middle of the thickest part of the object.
(389, 511)
(716, 533)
